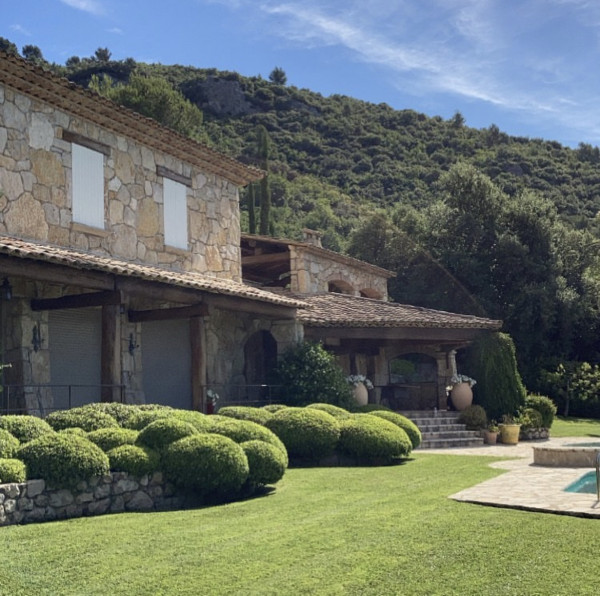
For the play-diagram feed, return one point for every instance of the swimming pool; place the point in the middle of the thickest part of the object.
(586, 484)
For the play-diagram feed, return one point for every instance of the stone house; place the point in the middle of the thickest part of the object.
(124, 275)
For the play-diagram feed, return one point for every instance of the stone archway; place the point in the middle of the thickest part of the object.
(260, 358)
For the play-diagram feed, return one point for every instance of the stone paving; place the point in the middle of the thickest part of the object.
(525, 485)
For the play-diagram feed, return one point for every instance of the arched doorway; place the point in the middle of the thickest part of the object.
(413, 382)
(260, 358)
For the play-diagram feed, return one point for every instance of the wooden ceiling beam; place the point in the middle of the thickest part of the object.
(266, 259)
(77, 301)
(166, 314)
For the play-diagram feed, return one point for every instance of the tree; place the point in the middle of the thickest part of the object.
(33, 54)
(264, 189)
(102, 55)
(278, 76)
(8, 46)
(250, 199)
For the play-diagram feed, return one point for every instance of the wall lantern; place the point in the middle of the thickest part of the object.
(36, 338)
(132, 345)
(6, 289)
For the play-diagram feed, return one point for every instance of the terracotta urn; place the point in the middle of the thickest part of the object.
(461, 396)
(361, 395)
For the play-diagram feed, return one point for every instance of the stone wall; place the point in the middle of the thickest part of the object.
(311, 273)
(33, 501)
(35, 177)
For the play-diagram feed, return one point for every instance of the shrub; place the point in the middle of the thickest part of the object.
(335, 411)
(370, 438)
(309, 374)
(242, 431)
(529, 419)
(408, 426)
(25, 428)
(274, 407)
(267, 463)
(109, 438)
(86, 418)
(198, 420)
(306, 433)
(134, 459)
(367, 408)
(12, 470)
(164, 431)
(545, 406)
(8, 444)
(120, 412)
(143, 417)
(213, 466)
(63, 460)
(473, 417)
(258, 415)
(74, 430)
(492, 361)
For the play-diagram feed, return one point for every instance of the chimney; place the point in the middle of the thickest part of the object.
(312, 237)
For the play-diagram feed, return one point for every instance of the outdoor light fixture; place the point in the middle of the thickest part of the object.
(36, 338)
(132, 344)
(6, 289)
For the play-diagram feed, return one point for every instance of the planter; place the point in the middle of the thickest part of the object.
(361, 395)
(461, 396)
(509, 433)
(489, 437)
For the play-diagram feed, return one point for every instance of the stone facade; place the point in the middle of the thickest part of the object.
(35, 178)
(33, 501)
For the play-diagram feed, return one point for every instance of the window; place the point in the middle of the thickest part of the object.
(175, 213)
(88, 186)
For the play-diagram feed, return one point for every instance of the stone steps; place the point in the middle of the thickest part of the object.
(440, 430)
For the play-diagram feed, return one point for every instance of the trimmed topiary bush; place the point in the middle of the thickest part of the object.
(545, 406)
(120, 412)
(407, 425)
(274, 407)
(372, 439)
(473, 417)
(198, 420)
(25, 428)
(267, 463)
(306, 433)
(143, 417)
(164, 431)
(86, 418)
(335, 411)
(12, 470)
(258, 415)
(368, 408)
(134, 459)
(212, 466)
(529, 419)
(241, 431)
(308, 373)
(109, 438)
(63, 459)
(8, 444)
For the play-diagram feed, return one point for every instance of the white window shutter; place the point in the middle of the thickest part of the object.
(88, 186)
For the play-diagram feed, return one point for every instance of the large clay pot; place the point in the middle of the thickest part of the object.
(509, 433)
(461, 396)
(361, 395)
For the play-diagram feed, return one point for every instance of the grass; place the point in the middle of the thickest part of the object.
(356, 531)
(575, 427)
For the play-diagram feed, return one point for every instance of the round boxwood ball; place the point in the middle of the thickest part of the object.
(366, 437)
(8, 444)
(133, 459)
(24, 427)
(335, 411)
(63, 459)
(198, 420)
(85, 418)
(164, 431)
(274, 407)
(258, 415)
(408, 426)
(305, 432)
(143, 417)
(267, 463)
(109, 438)
(12, 470)
(213, 466)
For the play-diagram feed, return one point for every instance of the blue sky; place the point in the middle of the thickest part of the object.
(529, 66)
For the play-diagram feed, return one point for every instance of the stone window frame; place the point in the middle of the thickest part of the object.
(174, 239)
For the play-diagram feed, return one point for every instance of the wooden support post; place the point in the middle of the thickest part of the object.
(198, 350)
(111, 353)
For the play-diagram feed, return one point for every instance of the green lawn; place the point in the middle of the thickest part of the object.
(389, 530)
(575, 427)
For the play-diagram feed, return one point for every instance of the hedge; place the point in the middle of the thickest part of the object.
(267, 463)
(305, 432)
(164, 431)
(134, 459)
(63, 459)
(25, 428)
(258, 415)
(408, 426)
(8, 444)
(109, 438)
(198, 420)
(88, 419)
(473, 417)
(12, 470)
(335, 411)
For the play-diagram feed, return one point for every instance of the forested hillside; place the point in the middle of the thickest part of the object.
(471, 220)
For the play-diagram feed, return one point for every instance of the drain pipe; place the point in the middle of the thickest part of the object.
(598, 475)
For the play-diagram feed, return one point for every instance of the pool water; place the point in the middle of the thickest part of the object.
(586, 484)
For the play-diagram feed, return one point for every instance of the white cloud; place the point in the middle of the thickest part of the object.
(115, 30)
(91, 6)
(20, 29)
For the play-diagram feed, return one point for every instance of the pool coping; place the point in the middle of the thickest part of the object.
(525, 485)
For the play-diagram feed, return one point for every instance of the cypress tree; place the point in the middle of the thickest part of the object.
(264, 190)
(251, 212)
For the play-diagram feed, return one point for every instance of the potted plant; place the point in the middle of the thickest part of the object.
(509, 430)
(361, 386)
(490, 434)
(461, 391)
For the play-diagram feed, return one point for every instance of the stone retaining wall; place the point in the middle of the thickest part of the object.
(33, 501)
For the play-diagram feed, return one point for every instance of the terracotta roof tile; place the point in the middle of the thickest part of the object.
(187, 279)
(341, 310)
